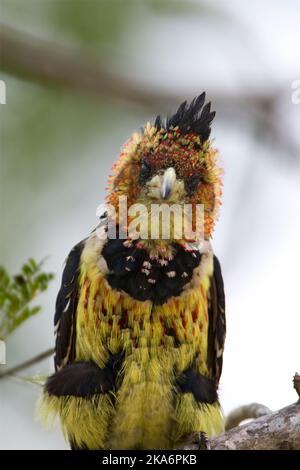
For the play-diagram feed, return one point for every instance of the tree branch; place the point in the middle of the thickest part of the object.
(26, 364)
(276, 431)
(50, 64)
(252, 411)
(45, 63)
(279, 430)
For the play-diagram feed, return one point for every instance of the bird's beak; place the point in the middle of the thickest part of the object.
(168, 181)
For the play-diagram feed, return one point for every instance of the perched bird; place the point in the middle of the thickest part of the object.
(140, 323)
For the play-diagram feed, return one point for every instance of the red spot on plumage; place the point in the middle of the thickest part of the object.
(195, 314)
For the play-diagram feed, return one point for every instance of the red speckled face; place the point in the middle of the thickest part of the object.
(146, 157)
(183, 157)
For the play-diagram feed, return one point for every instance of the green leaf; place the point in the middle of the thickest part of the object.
(17, 293)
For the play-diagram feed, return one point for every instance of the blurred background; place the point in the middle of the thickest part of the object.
(80, 77)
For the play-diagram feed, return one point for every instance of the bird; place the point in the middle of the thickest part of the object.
(140, 321)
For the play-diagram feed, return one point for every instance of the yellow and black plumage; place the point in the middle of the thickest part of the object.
(140, 324)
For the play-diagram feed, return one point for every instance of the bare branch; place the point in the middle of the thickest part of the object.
(55, 65)
(26, 364)
(76, 69)
(275, 431)
(252, 411)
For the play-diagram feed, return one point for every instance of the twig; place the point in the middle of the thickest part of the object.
(26, 364)
(252, 411)
(296, 382)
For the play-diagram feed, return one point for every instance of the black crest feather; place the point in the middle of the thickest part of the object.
(195, 118)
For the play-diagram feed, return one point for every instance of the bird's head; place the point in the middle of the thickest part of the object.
(171, 162)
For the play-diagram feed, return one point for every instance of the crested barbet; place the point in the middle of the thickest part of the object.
(140, 321)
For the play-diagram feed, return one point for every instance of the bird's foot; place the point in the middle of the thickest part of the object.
(204, 443)
(195, 441)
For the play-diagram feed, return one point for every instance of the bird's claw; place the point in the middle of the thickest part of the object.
(203, 441)
(195, 441)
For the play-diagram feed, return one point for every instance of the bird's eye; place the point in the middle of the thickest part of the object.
(192, 183)
(145, 172)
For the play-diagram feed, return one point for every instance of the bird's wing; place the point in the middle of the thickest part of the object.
(217, 322)
(65, 311)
